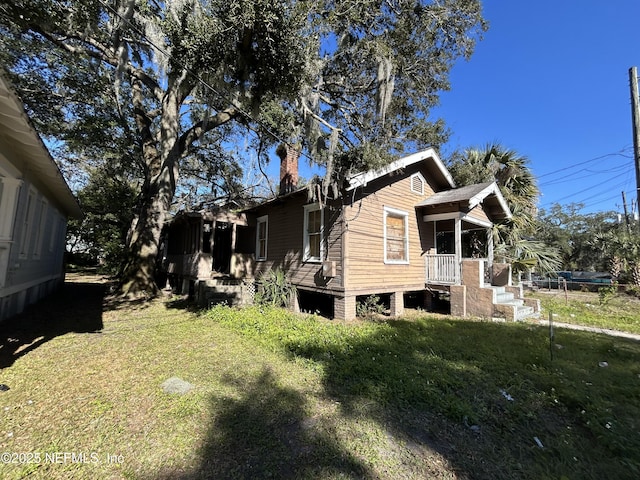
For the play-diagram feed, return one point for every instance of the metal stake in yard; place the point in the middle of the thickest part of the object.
(551, 335)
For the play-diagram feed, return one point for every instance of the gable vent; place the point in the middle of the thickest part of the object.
(417, 184)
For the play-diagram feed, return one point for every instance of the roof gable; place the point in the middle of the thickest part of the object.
(472, 196)
(429, 157)
(437, 170)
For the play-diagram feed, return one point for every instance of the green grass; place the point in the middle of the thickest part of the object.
(585, 415)
(617, 312)
(283, 396)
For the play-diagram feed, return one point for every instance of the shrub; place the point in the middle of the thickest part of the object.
(370, 306)
(633, 290)
(275, 289)
(607, 293)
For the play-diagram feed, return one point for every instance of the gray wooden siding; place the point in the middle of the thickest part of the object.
(45, 244)
(35, 268)
(285, 243)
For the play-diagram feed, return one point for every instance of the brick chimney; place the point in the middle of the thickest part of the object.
(288, 167)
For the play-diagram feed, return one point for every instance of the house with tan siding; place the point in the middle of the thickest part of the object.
(35, 203)
(404, 233)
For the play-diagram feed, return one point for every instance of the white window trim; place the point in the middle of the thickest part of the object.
(27, 224)
(422, 182)
(264, 219)
(305, 234)
(42, 223)
(405, 215)
(8, 206)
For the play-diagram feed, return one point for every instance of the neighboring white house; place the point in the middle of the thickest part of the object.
(35, 203)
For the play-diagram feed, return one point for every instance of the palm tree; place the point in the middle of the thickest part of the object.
(510, 170)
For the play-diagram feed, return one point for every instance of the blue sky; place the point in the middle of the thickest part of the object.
(551, 81)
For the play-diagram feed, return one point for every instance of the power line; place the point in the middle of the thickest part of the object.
(619, 153)
(590, 173)
(594, 195)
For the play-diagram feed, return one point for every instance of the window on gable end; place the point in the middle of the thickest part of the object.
(417, 183)
(396, 236)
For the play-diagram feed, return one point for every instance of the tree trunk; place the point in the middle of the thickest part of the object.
(138, 278)
(161, 161)
(161, 170)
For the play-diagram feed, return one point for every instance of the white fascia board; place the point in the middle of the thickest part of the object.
(477, 221)
(19, 129)
(436, 217)
(479, 197)
(361, 179)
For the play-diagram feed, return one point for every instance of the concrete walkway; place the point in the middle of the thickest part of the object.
(571, 326)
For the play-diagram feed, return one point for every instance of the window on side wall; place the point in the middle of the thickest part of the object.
(40, 226)
(313, 231)
(262, 231)
(27, 224)
(54, 231)
(396, 236)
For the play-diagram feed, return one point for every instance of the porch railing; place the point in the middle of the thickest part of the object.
(444, 268)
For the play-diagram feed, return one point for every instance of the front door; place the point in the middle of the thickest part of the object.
(222, 247)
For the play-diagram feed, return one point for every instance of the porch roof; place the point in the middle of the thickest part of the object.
(486, 194)
(219, 215)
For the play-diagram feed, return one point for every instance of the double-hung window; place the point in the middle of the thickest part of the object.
(313, 232)
(27, 224)
(41, 224)
(262, 231)
(396, 236)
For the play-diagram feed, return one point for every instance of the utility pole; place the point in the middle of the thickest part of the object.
(626, 214)
(635, 117)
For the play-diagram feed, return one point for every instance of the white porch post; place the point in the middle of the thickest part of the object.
(490, 254)
(458, 239)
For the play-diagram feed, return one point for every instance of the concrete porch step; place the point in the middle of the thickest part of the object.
(524, 312)
(503, 297)
(510, 307)
(516, 302)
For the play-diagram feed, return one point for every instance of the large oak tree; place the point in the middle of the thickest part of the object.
(147, 84)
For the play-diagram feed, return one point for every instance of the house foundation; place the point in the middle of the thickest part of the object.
(344, 308)
(397, 304)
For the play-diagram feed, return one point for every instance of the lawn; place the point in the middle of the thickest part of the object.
(277, 395)
(617, 311)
